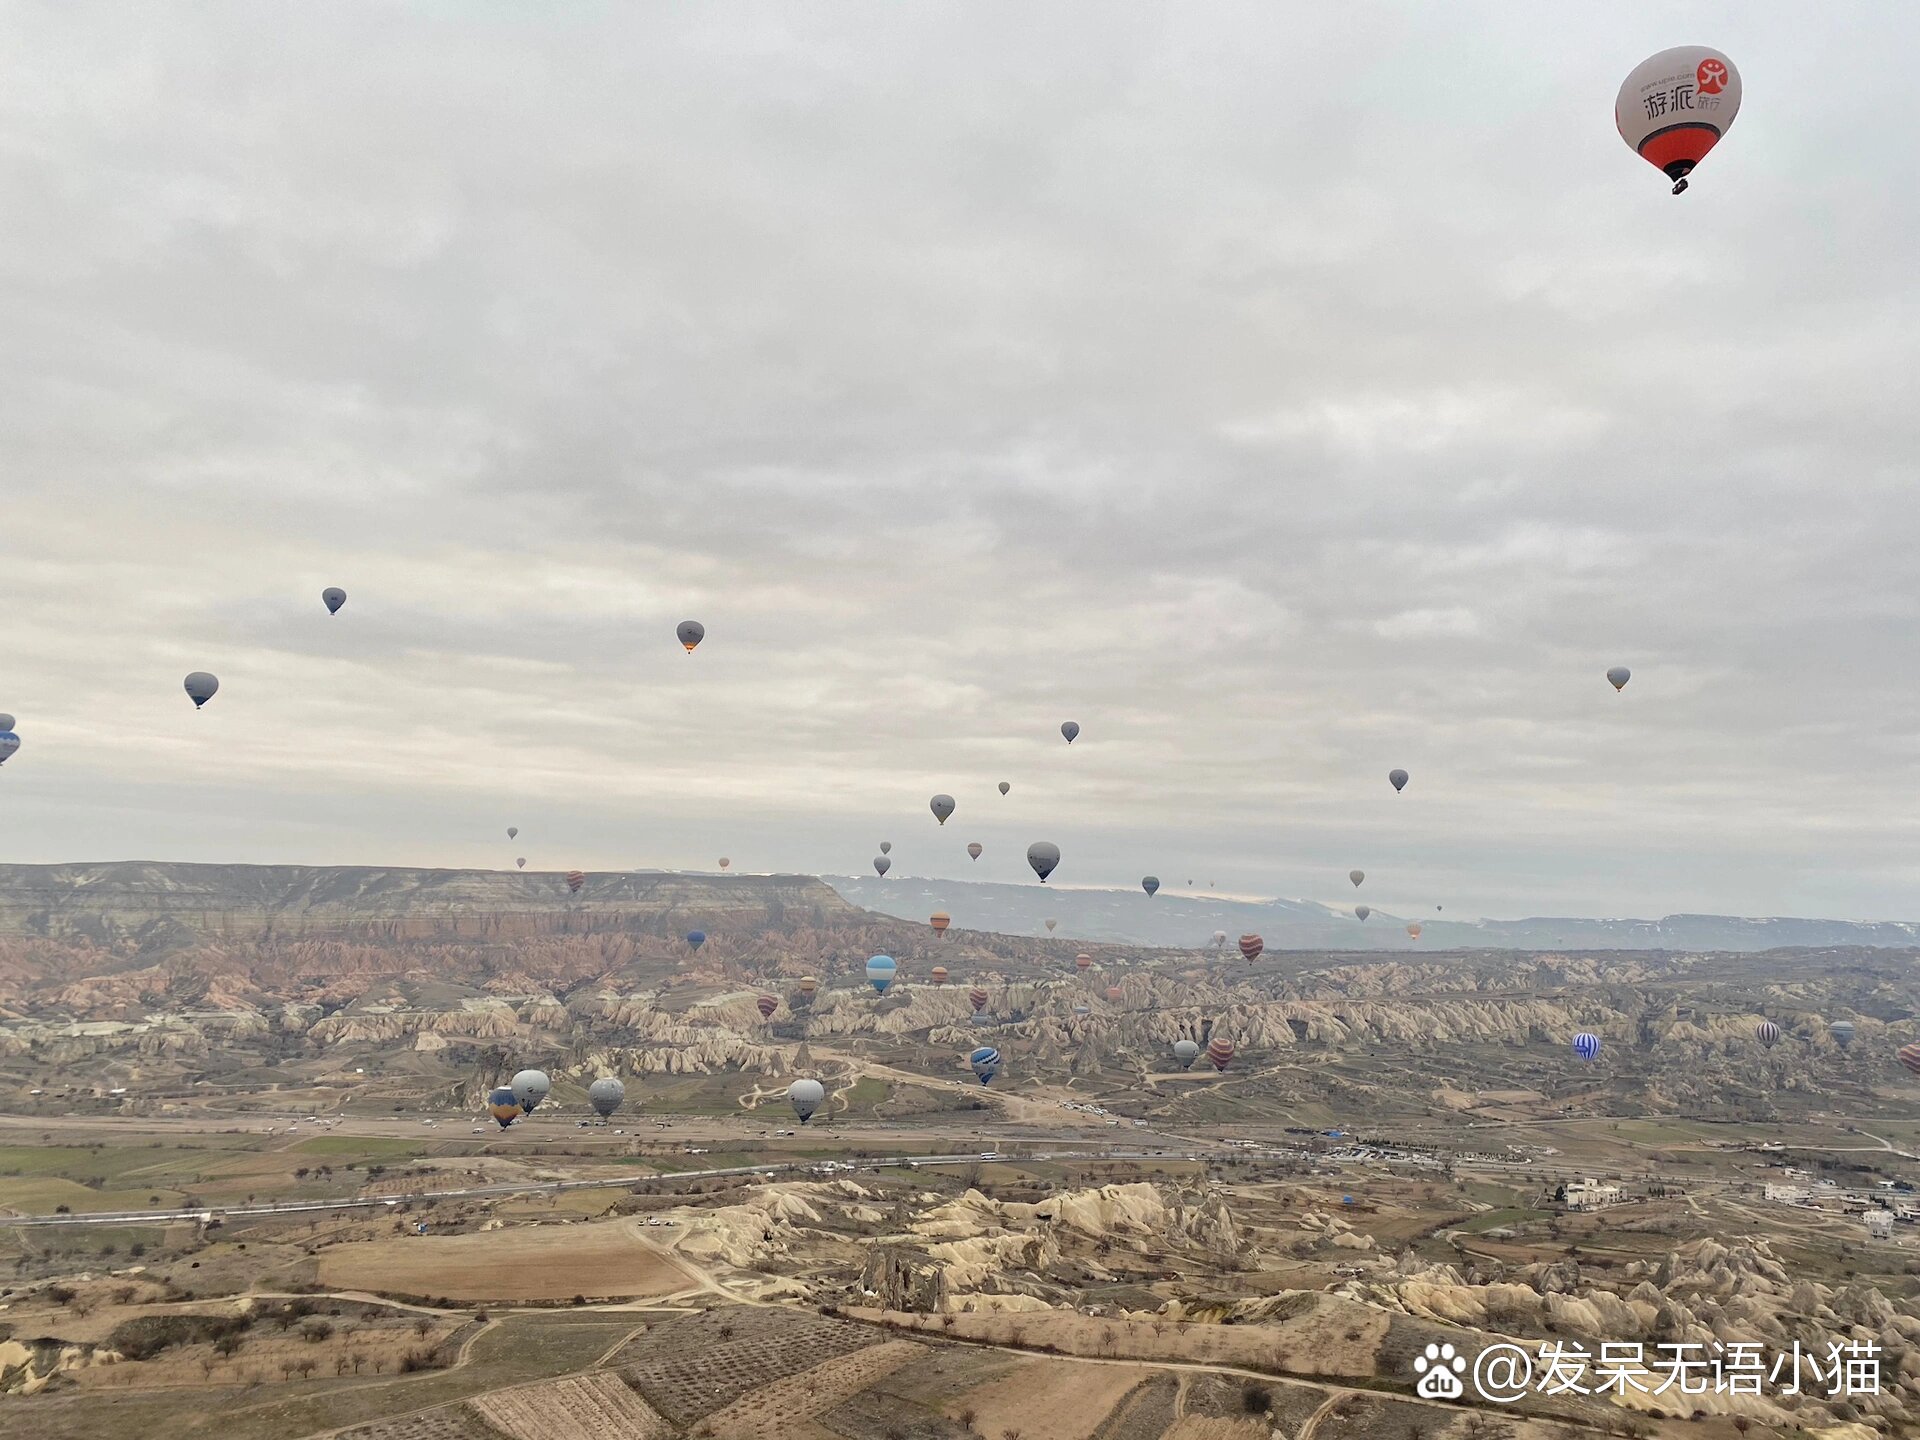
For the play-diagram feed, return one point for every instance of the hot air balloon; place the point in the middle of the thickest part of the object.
(696, 938)
(1150, 884)
(530, 1088)
(808, 985)
(805, 1096)
(1414, 930)
(1363, 911)
(9, 742)
(605, 1095)
(1186, 1052)
(1114, 992)
(690, 633)
(1219, 938)
(1044, 857)
(333, 597)
(201, 687)
(520, 862)
(938, 974)
(1356, 876)
(940, 920)
(942, 807)
(1220, 1052)
(1004, 787)
(880, 972)
(986, 1063)
(725, 863)
(1767, 1033)
(1842, 1032)
(1071, 730)
(886, 847)
(1618, 677)
(1909, 1056)
(977, 998)
(513, 832)
(6, 722)
(1674, 107)
(1050, 924)
(1586, 1045)
(575, 879)
(1081, 1010)
(502, 1106)
(1398, 778)
(1083, 963)
(881, 864)
(974, 848)
(1251, 946)
(766, 1005)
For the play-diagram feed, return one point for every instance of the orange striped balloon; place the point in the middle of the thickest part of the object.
(1910, 1057)
(1251, 946)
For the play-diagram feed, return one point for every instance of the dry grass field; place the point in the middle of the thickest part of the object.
(694, 1365)
(544, 1262)
(1050, 1399)
(599, 1405)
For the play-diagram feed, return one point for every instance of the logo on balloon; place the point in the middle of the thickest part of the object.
(1711, 77)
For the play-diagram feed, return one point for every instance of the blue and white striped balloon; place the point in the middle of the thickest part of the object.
(986, 1063)
(1586, 1045)
(880, 972)
(9, 742)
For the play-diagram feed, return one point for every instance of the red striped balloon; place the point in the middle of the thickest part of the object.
(1113, 993)
(978, 998)
(575, 879)
(1220, 1052)
(1910, 1057)
(766, 1005)
(1083, 963)
(1251, 946)
(939, 974)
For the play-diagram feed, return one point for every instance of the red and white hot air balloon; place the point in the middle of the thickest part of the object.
(575, 879)
(766, 1005)
(1251, 946)
(977, 998)
(938, 974)
(1220, 1052)
(1083, 963)
(1675, 106)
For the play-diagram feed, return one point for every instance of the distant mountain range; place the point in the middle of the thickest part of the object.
(1130, 917)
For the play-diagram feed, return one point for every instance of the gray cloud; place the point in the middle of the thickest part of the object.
(1284, 394)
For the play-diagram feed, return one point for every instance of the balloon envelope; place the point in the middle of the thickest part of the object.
(502, 1106)
(886, 847)
(1114, 992)
(974, 848)
(805, 1096)
(942, 807)
(977, 998)
(605, 1095)
(808, 985)
(521, 863)
(1414, 930)
(1083, 963)
(1150, 883)
(938, 975)
(1186, 1052)
(1618, 677)
(724, 862)
(880, 972)
(1909, 1056)
(690, 633)
(6, 722)
(1356, 876)
(881, 864)
(1044, 857)
(1220, 1052)
(201, 687)
(513, 832)
(1050, 924)
(333, 597)
(696, 938)
(766, 1005)
(985, 1062)
(940, 920)
(1767, 1033)
(1081, 1010)
(575, 879)
(1219, 938)
(1004, 787)
(1398, 779)
(1674, 107)
(1842, 1032)
(1251, 946)
(530, 1087)
(1363, 911)
(1586, 1045)
(1071, 729)
(9, 742)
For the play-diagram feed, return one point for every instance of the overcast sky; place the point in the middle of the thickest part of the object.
(1284, 392)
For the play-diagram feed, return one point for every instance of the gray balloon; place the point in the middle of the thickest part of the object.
(1071, 730)
(942, 807)
(1363, 911)
(1044, 857)
(805, 1096)
(521, 863)
(886, 847)
(1150, 883)
(9, 742)
(1842, 1032)
(1399, 779)
(6, 722)
(1004, 786)
(1356, 876)
(200, 687)
(530, 1087)
(512, 831)
(333, 597)
(1618, 677)
(605, 1095)
(881, 864)
(690, 633)
(1186, 1052)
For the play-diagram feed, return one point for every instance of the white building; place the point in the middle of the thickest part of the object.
(1879, 1225)
(1787, 1194)
(1591, 1195)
